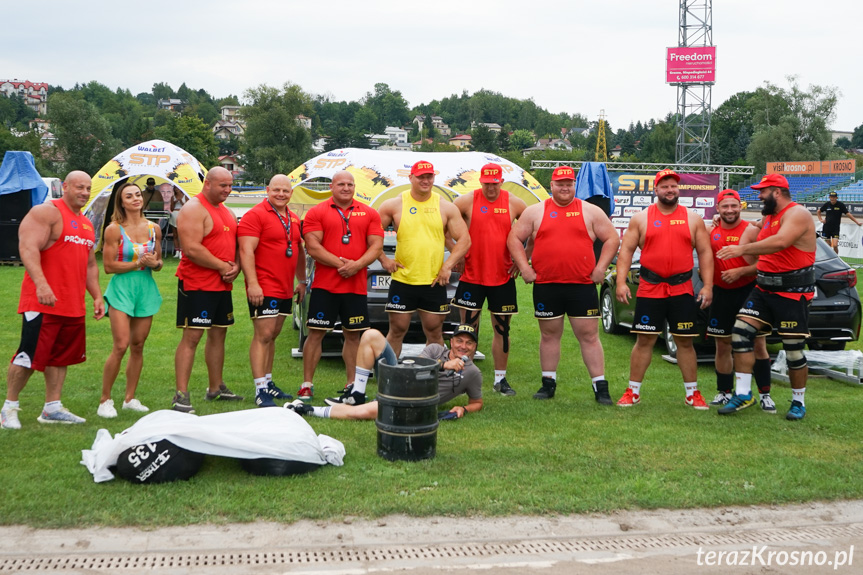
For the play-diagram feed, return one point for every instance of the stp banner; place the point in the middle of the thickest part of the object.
(634, 192)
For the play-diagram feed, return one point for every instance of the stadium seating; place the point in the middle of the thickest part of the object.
(806, 188)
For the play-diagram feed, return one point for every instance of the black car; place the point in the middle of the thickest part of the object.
(378, 287)
(834, 314)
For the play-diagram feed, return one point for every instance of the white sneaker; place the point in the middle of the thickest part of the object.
(9, 418)
(106, 409)
(135, 405)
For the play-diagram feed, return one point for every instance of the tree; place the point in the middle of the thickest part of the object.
(274, 141)
(162, 91)
(483, 140)
(857, 137)
(84, 138)
(659, 143)
(843, 143)
(521, 139)
(797, 129)
(388, 108)
(503, 143)
(193, 135)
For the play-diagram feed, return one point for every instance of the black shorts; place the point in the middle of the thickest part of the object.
(787, 316)
(829, 233)
(552, 300)
(327, 307)
(680, 311)
(272, 307)
(204, 309)
(723, 310)
(406, 298)
(502, 299)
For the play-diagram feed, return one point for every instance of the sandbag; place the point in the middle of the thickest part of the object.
(158, 462)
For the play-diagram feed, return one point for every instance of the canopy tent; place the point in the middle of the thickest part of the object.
(18, 173)
(380, 175)
(157, 159)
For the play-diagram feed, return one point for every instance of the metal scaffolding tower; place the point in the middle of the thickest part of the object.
(694, 99)
(601, 147)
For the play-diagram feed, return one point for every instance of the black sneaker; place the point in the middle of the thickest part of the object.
(224, 394)
(348, 397)
(503, 388)
(600, 392)
(549, 385)
(264, 399)
(276, 393)
(300, 407)
(182, 402)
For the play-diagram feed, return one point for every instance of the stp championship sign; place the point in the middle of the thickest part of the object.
(690, 65)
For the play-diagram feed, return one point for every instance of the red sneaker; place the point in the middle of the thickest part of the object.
(629, 399)
(306, 392)
(695, 400)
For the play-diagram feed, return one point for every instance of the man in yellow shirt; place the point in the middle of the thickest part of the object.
(420, 275)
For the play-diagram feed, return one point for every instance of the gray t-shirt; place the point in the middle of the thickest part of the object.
(451, 385)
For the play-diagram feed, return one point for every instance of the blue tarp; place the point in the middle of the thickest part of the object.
(18, 172)
(592, 180)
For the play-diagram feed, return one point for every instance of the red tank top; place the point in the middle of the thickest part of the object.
(786, 260)
(488, 259)
(65, 267)
(719, 238)
(667, 251)
(221, 242)
(562, 249)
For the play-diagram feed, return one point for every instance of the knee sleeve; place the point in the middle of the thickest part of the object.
(502, 327)
(743, 337)
(471, 317)
(794, 352)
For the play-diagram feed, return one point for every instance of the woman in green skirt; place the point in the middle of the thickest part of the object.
(131, 251)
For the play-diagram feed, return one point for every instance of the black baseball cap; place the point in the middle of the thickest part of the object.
(465, 329)
(834, 195)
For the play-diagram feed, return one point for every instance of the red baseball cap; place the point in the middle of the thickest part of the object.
(422, 167)
(563, 173)
(491, 174)
(662, 174)
(771, 180)
(725, 194)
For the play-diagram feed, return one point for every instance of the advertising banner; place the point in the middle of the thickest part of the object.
(812, 167)
(690, 65)
(634, 192)
(850, 240)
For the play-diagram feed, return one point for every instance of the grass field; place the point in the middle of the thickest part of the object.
(517, 456)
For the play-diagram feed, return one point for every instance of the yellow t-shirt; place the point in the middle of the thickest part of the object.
(419, 240)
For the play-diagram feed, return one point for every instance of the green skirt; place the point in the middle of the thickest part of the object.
(134, 293)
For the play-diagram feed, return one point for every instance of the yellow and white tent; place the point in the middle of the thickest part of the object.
(157, 159)
(380, 175)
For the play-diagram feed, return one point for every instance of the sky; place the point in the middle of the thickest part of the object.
(574, 56)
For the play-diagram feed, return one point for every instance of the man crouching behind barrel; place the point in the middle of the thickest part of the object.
(458, 375)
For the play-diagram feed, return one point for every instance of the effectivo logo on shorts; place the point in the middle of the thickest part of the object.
(318, 319)
(540, 311)
(202, 319)
(394, 303)
(645, 319)
(465, 300)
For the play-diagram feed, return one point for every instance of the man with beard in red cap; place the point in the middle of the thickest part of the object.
(666, 232)
(785, 285)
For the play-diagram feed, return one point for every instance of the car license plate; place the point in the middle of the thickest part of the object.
(381, 282)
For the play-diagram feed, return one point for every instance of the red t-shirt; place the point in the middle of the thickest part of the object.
(667, 251)
(221, 242)
(562, 249)
(786, 260)
(363, 221)
(488, 259)
(65, 267)
(274, 268)
(719, 238)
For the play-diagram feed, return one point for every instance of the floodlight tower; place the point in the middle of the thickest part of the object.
(694, 90)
